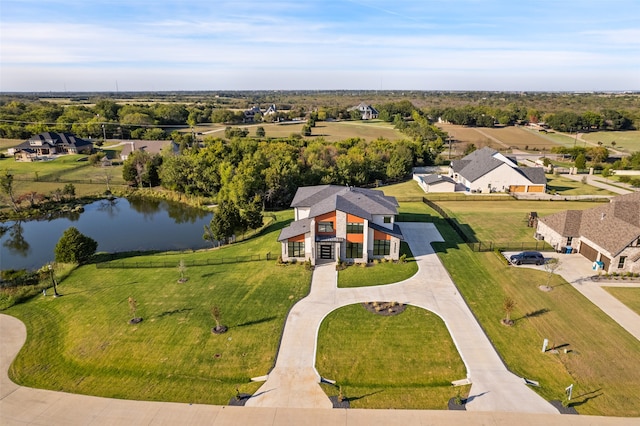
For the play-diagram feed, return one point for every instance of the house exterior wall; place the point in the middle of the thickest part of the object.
(301, 213)
(379, 220)
(499, 179)
(549, 235)
(631, 262)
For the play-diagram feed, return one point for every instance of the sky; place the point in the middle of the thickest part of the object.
(168, 45)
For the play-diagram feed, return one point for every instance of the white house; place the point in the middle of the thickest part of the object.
(367, 112)
(152, 147)
(487, 170)
(337, 222)
(609, 233)
(435, 183)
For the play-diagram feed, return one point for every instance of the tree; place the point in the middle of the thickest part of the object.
(6, 186)
(581, 161)
(551, 266)
(219, 328)
(133, 307)
(224, 222)
(69, 190)
(252, 215)
(508, 305)
(74, 247)
(260, 133)
(182, 269)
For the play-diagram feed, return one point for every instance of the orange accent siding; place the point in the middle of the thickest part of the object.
(355, 238)
(379, 235)
(517, 188)
(327, 217)
(296, 239)
(354, 219)
(536, 189)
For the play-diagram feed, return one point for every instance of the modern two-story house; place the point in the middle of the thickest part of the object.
(609, 234)
(51, 143)
(337, 222)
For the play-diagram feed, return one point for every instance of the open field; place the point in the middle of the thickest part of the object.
(82, 342)
(627, 141)
(629, 296)
(405, 361)
(9, 143)
(601, 358)
(516, 137)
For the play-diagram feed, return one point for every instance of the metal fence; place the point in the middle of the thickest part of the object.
(512, 246)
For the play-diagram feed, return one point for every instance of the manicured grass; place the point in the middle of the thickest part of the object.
(82, 342)
(602, 357)
(565, 186)
(403, 190)
(379, 273)
(630, 296)
(404, 361)
(504, 221)
(628, 140)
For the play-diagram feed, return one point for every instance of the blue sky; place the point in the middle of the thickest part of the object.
(101, 45)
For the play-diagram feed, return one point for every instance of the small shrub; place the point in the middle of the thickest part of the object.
(403, 258)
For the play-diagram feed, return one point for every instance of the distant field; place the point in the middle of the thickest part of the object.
(331, 131)
(627, 141)
(498, 138)
(9, 143)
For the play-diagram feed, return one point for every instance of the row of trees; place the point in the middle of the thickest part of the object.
(238, 170)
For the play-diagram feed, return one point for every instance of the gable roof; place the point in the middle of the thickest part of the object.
(66, 140)
(482, 161)
(612, 226)
(361, 202)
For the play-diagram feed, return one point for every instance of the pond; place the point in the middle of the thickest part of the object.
(117, 225)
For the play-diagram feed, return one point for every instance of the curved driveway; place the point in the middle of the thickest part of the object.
(294, 381)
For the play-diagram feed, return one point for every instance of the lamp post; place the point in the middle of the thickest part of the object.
(53, 280)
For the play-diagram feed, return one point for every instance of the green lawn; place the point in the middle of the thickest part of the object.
(358, 275)
(565, 186)
(404, 361)
(404, 190)
(602, 357)
(628, 140)
(82, 342)
(504, 221)
(628, 296)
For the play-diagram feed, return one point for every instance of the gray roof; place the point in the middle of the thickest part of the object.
(152, 147)
(395, 232)
(361, 202)
(296, 228)
(436, 179)
(612, 226)
(482, 161)
(534, 174)
(57, 139)
(477, 164)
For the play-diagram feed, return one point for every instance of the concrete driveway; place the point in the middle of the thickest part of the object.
(294, 382)
(577, 271)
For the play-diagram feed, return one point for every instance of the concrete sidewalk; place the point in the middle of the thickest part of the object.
(294, 382)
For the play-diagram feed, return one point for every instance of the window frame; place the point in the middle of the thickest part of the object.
(351, 246)
(621, 261)
(381, 247)
(359, 227)
(296, 247)
(322, 226)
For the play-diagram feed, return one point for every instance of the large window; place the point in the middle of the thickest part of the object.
(354, 250)
(381, 247)
(326, 227)
(296, 249)
(355, 228)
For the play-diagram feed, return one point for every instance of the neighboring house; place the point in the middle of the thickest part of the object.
(609, 233)
(338, 222)
(271, 110)
(250, 113)
(152, 147)
(487, 170)
(435, 183)
(367, 111)
(51, 143)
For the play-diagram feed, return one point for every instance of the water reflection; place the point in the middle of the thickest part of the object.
(117, 225)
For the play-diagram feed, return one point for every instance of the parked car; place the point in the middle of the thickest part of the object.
(527, 257)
